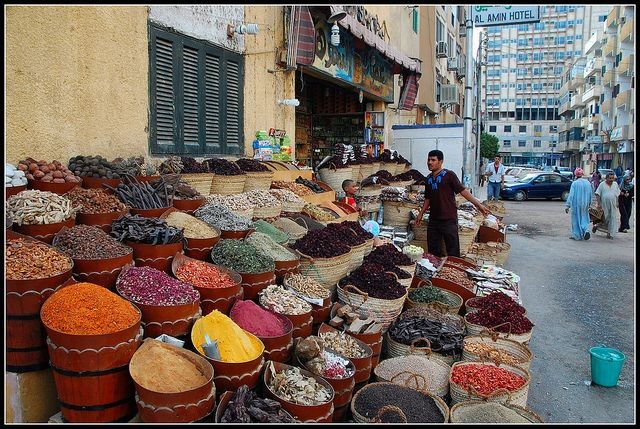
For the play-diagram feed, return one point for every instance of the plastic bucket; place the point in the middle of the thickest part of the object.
(606, 365)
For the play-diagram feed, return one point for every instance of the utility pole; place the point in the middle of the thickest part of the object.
(468, 162)
(478, 107)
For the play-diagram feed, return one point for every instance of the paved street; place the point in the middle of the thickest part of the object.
(578, 294)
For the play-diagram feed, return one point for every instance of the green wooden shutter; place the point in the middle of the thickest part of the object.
(233, 108)
(190, 102)
(213, 137)
(163, 100)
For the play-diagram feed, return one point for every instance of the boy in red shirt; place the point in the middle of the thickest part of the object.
(350, 190)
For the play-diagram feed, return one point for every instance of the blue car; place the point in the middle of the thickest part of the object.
(546, 185)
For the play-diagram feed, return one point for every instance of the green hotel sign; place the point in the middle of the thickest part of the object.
(488, 16)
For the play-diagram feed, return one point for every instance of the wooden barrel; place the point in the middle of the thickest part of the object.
(91, 373)
(26, 345)
(103, 272)
(148, 212)
(286, 267)
(158, 256)
(45, 232)
(188, 206)
(362, 364)
(253, 283)
(56, 188)
(101, 220)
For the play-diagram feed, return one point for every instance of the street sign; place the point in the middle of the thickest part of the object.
(489, 16)
(593, 139)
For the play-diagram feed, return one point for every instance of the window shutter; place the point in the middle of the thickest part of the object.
(213, 143)
(164, 92)
(233, 95)
(191, 133)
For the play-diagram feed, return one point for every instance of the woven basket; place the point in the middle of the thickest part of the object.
(383, 311)
(395, 349)
(473, 329)
(258, 180)
(420, 232)
(291, 207)
(517, 397)
(248, 213)
(335, 176)
(396, 213)
(369, 246)
(437, 305)
(402, 183)
(514, 348)
(355, 172)
(405, 282)
(375, 167)
(466, 237)
(496, 207)
(267, 212)
(488, 253)
(201, 182)
(357, 255)
(326, 271)
(227, 185)
(389, 166)
(524, 412)
(424, 377)
(370, 191)
(366, 170)
(359, 418)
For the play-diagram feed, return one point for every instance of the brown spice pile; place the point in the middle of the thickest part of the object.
(31, 259)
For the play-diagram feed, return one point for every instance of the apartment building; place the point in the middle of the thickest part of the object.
(526, 68)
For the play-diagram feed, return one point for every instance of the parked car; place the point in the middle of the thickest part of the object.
(546, 185)
(605, 171)
(514, 173)
(565, 171)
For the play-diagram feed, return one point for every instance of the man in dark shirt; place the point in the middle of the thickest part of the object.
(440, 199)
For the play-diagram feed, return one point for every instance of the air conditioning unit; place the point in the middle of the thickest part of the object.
(449, 94)
(597, 52)
(452, 64)
(623, 20)
(462, 67)
(592, 80)
(441, 49)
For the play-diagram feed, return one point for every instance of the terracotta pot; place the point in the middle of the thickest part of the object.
(340, 414)
(97, 182)
(188, 206)
(320, 313)
(253, 283)
(103, 272)
(224, 401)
(13, 190)
(56, 188)
(212, 298)
(91, 374)
(322, 413)
(148, 212)
(302, 324)
(101, 220)
(158, 256)
(178, 407)
(372, 339)
(200, 248)
(46, 232)
(286, 267)
(25, 335)
(146, 179)
(454, 287)
(236, 235)
(362, 364)
(447, 261)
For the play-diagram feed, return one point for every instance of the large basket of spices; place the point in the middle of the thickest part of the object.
(169, 306)
(258, 176)
(201, 182)
(346, 235)
(289, 304)
(219, 287)
(265, 205)
(257, 271)
(145, 199)
(97, 257)
(396, 213)
(228, 178)
(492, 412)
(91, 330)
(501, 314)
(313, 292)
(40, 214)
(434, 297)
(231, 224)
(53, 176)
(416, 371)
(480, 380)
(350, 347)
(97, 207)
(200, 237)
(285, 261)
(235, 354)
(312, 354)
(306, 396)
(416, 406)
(291, 203)
(245, 406)
(335, 175)
(493, 253)
(33, 271)
(274, 233)
(357, 323)
(355, 172)
(388, 256)
(375, 291)
(362, 234)
(290, 227)
(273, 329)
(489, 347)
(173, 385)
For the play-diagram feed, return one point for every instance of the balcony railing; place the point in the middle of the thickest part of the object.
(576, 81)
(594, 118)
(573, 144)
(609, 76)
(606, 106)
(564, 107)
(623, 99)
(627, 30)
(612, 18)
(593, 92)
(576, 101)
(593, 67)
(575, 123)
(610, 47)
(626, 65)
(584, 122)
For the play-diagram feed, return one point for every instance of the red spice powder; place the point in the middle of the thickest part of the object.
(255, 319)
(87, 309)
(202, 275)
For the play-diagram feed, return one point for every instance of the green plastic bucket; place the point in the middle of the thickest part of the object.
(606, 365)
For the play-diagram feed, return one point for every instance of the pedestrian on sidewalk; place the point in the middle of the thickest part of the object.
(440, 198)
(595, 178)
(578, 201)
(625, 201)
(607, 197)
(495, 178)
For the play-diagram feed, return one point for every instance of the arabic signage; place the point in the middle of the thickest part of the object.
(489, 16)
(593, 139)
(365, 69)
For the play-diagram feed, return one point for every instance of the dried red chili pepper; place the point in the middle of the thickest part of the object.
(486, 379)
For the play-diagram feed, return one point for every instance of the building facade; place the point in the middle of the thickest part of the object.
(527, 66)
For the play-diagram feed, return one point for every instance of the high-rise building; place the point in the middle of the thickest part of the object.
(525, 67)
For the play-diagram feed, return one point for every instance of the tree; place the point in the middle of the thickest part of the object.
(488, 145)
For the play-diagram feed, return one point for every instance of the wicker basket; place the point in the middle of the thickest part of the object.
(405, 282)
(524, 412)
(383, 311)
(518, 350)
(389, 166)
(291, 207)
(397, 213)
(227, 185)
(517, 397)
(369, 246)
(496, 207)
(473, 329)
(466, 237)
(248, 213)
(395, 349)
(437, 305)
(355, 172)
(357, 255)
(488, 253)
(402, 183)
(258, 180)
(326, 271)
(359, 418)
(420, 232)
(366, 170)
(429, 370)
(267, 212)
(335, 176)
(201, 182)
(370, 191)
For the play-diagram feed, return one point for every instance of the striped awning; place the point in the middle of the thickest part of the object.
(370, 38)
(304, 36)
(409, 92)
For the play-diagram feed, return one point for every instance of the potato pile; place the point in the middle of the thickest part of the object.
(47, 171)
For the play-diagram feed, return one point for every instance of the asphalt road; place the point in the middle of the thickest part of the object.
(578, 294)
